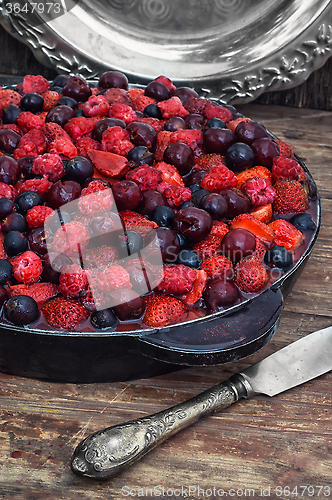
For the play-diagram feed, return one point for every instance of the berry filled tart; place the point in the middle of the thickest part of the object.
(124, 207)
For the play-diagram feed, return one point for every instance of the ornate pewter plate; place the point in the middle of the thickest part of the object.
(232, 50)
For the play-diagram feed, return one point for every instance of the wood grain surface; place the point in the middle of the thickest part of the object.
(249, 450)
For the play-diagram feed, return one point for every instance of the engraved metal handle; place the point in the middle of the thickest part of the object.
(105, 453)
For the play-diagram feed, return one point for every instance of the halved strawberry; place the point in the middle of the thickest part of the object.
(257, 171)
(137, 222)
(196, 292)
(40, 292)
(263, 213)
(109, 164)
(286, 234)
(255, 226)
(162, 310)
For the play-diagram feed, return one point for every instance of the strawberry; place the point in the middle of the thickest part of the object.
(290, 197)
(263, 213)
(163, 141)
(219, 178)
(219, 229)
(207, 161)
(169, 173)
(191, 137)
(250, 275)
(285, 148)
(8, 97)
(40, 292)
(163, 310)
(61, 312)
(50, 99)
(166, 81)
(190, 298)
(109, 164)
(255, 226)
(217, 266)
(208, 247)
(286, 234)
(258, 171)
(142, 101)
(177, 278)
(196, 105)
(260, 249)
(137, 222)
(212, 110)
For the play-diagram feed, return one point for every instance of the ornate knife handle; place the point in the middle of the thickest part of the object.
(105, 453)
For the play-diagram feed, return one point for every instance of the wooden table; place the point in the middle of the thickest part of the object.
(262, 447)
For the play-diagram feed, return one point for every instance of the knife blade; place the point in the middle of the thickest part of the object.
(105, 453)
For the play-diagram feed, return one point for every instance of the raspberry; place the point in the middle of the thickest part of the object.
(35, 83)
(176, 195)
(142, 101)
(145, 177)
(285, 149)
(50, 99)
(172, 107)
(37, 215)
(219, 229)
(195, 105)
(169, 173)
(84, 144)
(219, 178)
(166, 81)
(33, 143)
(118, 96)
(40, 292)
(123, 112)
(251, 275)
(92, 202)
(100, 257)
(78, 126)
(158, 125)
(48, 164)
(290, 197)
(61, 312)
(286, 234)
(137, 222)
(29, 121)
(62, 147)
(73, 281)
(212, 110)
(192, 137)
(71, 239)
(177, 278)
(208, 161)
(163, 310)
(163, 141)
(96, 105)
(8, 191)
(217, 266)
(259, 191)
(113, 277)
(208, 247)
(285, 168)
(116, 140)
(27, 267)
(40, 186)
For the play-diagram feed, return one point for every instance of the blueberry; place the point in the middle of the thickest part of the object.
(239, 157)
(27, 200)
(104, 319)
(130, 242)
(215, 123)
(303, 222)
(140, 155)
(22, 310)
(194, 187)
(186, 204)
(15, 243)
(189, 258)
(67, 101)
(59, 81)
(10, 113)
(278, 256)
(6, 271)
(6, 207)
(79, 112)
(153, 111)
(3, 295)
(198, 195)
(79, 169)
(184, 243)
(31, 101)
(163, 216)
(14, 222)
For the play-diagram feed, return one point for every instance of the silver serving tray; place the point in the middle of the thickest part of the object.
(232, 50)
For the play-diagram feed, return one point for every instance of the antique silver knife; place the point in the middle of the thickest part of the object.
(105, 453)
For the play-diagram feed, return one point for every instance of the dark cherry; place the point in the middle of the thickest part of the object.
(60, 81)
(215, 123)
(218, 140)
(239, 157)
(220, 293)
(6, 271)
(6, 207)
(232, 109)
(152, 111)
(310, 188)
(3, 295)
(163, 216)
(53, 265)
(181, 156)
(127, 195)
(198, 195)
(142, 134)
(237, 202)
(25, 166)
(31, 101)
(189, 258)
(77, 88)
(10, 113)
(237, 244)
(113, 79)
(265, 150)
(174, 123)
(278, 256)
(140, 155)
(37, 240)
(67, 101)
(21, 310)
(79, 169)
(168, 242)
(129, 243)
(157, 90)
(57, 219)
(195, 121)
(63, 192)
(104, 124)
(151, 199)
(60, 115)
(14, 222)
(195, 177)
(215, 204)
(9, 169)
(184, 93)
(27, 200)
(105, 229)
(194, 223)
(186, 204)
(9, 140)
(248, 132)
(104, 319)
(302, 222)
(15, 243)
(130, 305)
(194, 187)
